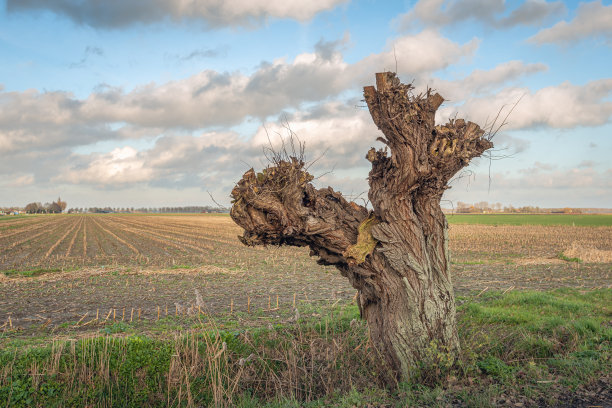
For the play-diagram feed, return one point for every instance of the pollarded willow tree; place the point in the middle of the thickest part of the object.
(396, 255)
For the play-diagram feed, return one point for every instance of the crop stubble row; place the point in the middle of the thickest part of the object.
(229, 273)
(69, 241)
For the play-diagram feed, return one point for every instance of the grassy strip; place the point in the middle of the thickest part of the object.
(581, 220)
(520, 346)
(28, 273)
(13, 217)
(563, 257)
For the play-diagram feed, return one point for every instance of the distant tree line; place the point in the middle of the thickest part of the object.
(461, 207)
(149, 210)
(54, 207)
(485, 207)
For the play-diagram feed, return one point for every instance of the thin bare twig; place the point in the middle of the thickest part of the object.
(215, 201)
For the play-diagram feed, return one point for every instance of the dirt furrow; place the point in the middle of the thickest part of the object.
(59, 241)
(197, 236)
(56, 226)
(202, 228)
(143, 229)
(163, 239)
(76, 233)
(85, 237)
(132, 247)
(96, 232)
(31, 227)
(5, 225)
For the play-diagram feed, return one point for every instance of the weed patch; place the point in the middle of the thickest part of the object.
(28, 273)
(563, 257)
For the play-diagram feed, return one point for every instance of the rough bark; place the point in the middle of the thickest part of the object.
(395, 255)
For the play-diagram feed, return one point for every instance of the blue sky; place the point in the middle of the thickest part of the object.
(156, 103)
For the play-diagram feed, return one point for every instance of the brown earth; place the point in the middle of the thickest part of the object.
(150, 262)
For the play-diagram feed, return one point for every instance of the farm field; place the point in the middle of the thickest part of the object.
(67, 266)
(591, 220)
(69, 278)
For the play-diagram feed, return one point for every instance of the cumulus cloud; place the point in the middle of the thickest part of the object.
(111, 14)
(338, 139)
(532, 13)
(32, 120)
(550, 176)
(20, 181)
(492, 13)
(481, 81)
(578, 186)
(210, 98)
(329, 50)
(415, 55)
(443, 12)
(592, 20)
(120, 166)
(562, 106)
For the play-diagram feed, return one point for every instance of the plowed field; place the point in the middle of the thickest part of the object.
(56, 269)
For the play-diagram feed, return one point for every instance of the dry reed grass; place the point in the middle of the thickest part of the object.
(510, 242)
(302, 363)
(588, 254)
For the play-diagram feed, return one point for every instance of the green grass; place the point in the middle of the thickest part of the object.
(582, 220)
(28, 273)
(568, 259)
(13, 217)
(522, 343)
(479, 262)
(6, 218)
(183, 266)
(543, 313)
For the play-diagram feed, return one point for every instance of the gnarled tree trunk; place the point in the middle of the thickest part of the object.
(395, 255)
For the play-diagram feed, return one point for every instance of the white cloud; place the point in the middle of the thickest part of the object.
(339, 138)
(550, 176)
(212, 99)
(562, 106)
(579, 186)
(416, 55)
(31, 119)
(480, 81)
(19, 181)
(336, 134)
(119, 167)
(443, 12)
(212, 13)
(592, 20)
(532, 12)
(436, 13)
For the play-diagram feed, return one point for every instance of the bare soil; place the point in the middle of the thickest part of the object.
(171, 258)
